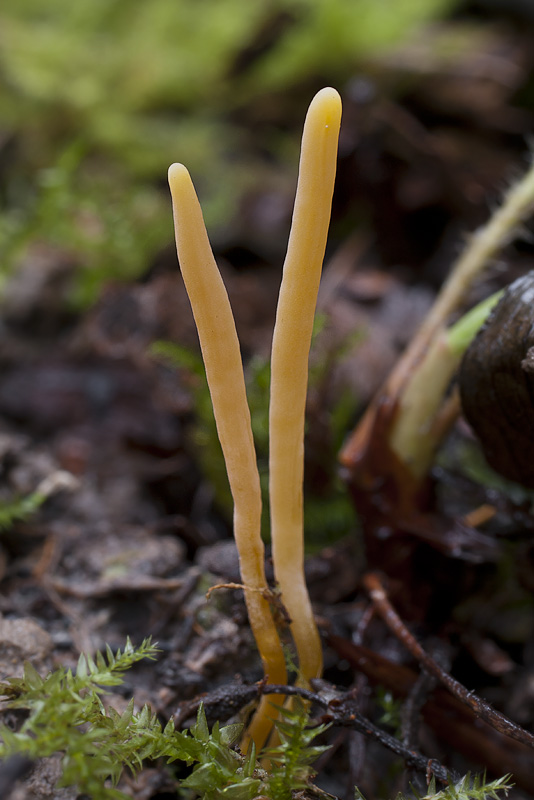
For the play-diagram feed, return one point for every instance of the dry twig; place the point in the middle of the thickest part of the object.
(482, 709)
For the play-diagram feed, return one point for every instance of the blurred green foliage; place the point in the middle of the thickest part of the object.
(135, 86)
(102, 231)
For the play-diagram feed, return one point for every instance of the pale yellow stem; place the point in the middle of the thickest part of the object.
(414, 441)
(289, 368)
(424, 371)
(224, 371)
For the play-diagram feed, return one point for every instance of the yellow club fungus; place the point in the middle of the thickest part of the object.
(289, 368)
(220, 350)
(224, 371)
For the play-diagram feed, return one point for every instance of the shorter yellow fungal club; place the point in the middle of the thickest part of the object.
(224, 370)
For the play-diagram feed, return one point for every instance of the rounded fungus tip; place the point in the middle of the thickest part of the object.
(330, 101)
(177, 172)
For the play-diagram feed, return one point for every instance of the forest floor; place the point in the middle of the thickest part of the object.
(129, 543)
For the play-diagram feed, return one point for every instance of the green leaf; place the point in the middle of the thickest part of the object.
(32, 679)
(201, 731)
(246, 789)
(230, 734)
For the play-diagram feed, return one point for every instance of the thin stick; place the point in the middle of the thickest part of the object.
(342, 712)
(482, 709)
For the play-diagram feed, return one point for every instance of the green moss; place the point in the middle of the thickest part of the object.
(65, 714)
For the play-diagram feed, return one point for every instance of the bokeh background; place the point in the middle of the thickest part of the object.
(98, 98)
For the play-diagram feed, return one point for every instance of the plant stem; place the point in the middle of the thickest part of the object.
(415, 436)
(482, 246)
(416, 387)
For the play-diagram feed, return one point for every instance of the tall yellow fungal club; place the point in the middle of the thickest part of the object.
(224, 371)
(289, 368)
